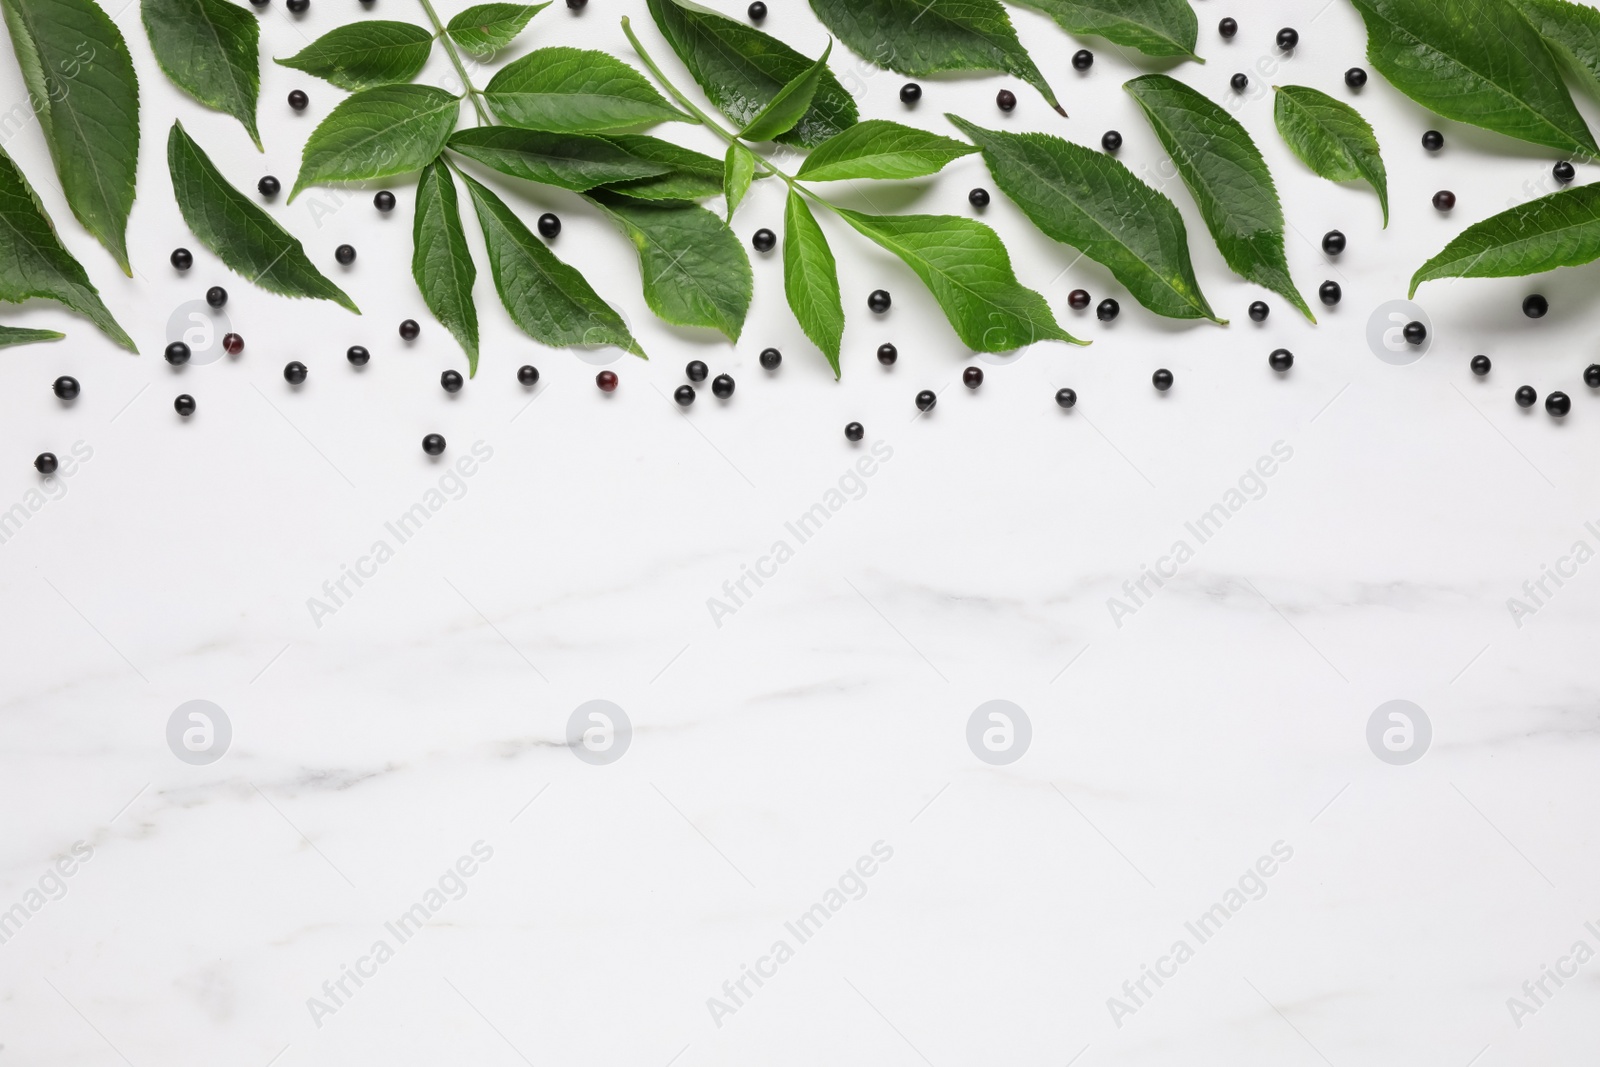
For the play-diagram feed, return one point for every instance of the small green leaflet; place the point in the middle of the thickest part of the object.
(966, 267)
(22, 335)
(33, 261)
(742, 69)
(1227, 177)
(548, 300)
(234, 227)
(378, 132)
(484, 29)
(1476, 61)
(576, 161)
(811, 279)
(1093, 202)
(1331, 138)
(208, 48)
(81, 83)
(880, 149)
(364, 54)
(569, 90)
(784, 111)
(688, 175)
(922, 37)
(441, 263)
(1559, 230)
(695, 270)
(1160, 28)
(1573, 33)
(738, 171)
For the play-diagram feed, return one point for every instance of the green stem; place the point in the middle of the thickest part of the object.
(455, 58)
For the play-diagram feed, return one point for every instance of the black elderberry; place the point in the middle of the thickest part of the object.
(183, 404)
(722, 387)
(1066, 397)
(757, 11)
(1433, 140)
(357, 355)
(298, 99)
(66, 387)
(1480, 365)
(878, 300)
(887, 354)
(549, 225)
(1162, 379)
(926, 399)
(1563, 172)
(854, 431)
(1444, 200)
(1329, 293)
(1591, 376)
(528, 374)
(1288, 38)
(1355, 77)
(696, 371)
(177, 353)
(1005, 99)
(216, 296)
(770, 358)
(576, 5)
(1240, 83)
(972, 377)
(345, 254)
(1078, 299)
(684, 395)
(451, 380)
(1281, 359)
(1333, 242)
(433, 444)
(910, 93)
(298, 7)
(383, 200)
(45, 463)
(268, 186)
(763, 240)
(232, 344)
(1082, 59)
(1558, 404)
(1535, 306)
(978, 198)
(182, 258)
(1107, 310)
(1526, 396)
(1414, 332)
(607, 381)
(1111, 140)
(409, 330)
(294, 372)
(1228, 27)
(1259, 311)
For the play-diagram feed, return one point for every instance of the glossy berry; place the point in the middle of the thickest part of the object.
(1082, 59)
(232, 344)
(216, 296)
(1239, 82)
(607, 381)
(1558, 404)
(684, 395)
(1066, 398)
(1563, 172)
(770, 358)
(757, 11)
(1526, 397)
(1107, 310)
(1228, 27)
(298, 99)
(298, 7)
(183, 404)
(45, 463)
(1288, 38)
(268, 186)
(1259, 311)
(433, 444)
(66, 387)
(696, 371)
(1078, 299)
(1329, 293)
(1162, 379)
(1414, 332)
(926, 399)
(972, 377)
(1333, 242)
(1433, 140)
(1355, 77)
(294, 372)
(383, 200)
(878, 300)
(910, 93)
(1535, 306)
(451, 381)
(1480, 365)
(854, 431)
(763, 240)
(1444, 200)
(345, 254)
(528, 374)
(722, 387)
(357, 355)
(409, 330)
(978, 198)
(260, 3)
(576, 5)
(1005, 99)
(549, 225)
(177, 353)
(1111, 140)
(182, 258)
(1591, 376)
(1281, 359)
(887, 354)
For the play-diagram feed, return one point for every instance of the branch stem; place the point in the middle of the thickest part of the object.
(455, 59)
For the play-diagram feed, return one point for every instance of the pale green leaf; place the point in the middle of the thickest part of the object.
(881, 149)
(22, 335)
(1331, 138)
(570, 90)
(738, 171)
(811, 279)
(785, 110)
(484, 29)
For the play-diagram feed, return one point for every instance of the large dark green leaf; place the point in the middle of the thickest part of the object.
(966, 267)
(441, 263)
(923, 37)
(575, 161)
(33, 261)
(881, 149)
(689, 175)
(570, 90)
(378, 132)
(548, 300)
(1160, 28)
(1091, 201)
(742, 69)
(1331, 138)
(484, 29)
(1227, 177)
(1476, 61)
(1573, 33)
(1559, 230)
(364, 54)
(694, 269)
(22, 335)
(811, 279)
(208, 48)
(784, 111)
(232, 225)
(81, 83)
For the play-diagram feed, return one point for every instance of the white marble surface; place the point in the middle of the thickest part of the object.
(828, 713)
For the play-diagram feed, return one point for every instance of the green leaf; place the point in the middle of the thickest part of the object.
(1331, 138)
(441, 263)
(1093, 202)
(22, 335)
(1573, 33)
(881, 149)
(378, 132)
(1227, 177)
(923, 37)
(742, 69)
(695, 270)
(569, 90)
(81, 84)
(232, 225)
(1160, 28)
(784, 111)
(966, 267)
(548, 300)
(1559, 230)
(33, 261)
(688, 175)
(575, 161)
(811, 279)
(364, 54)
(209, 50)
(1476, 61)
(484, 29)
(738, 171)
